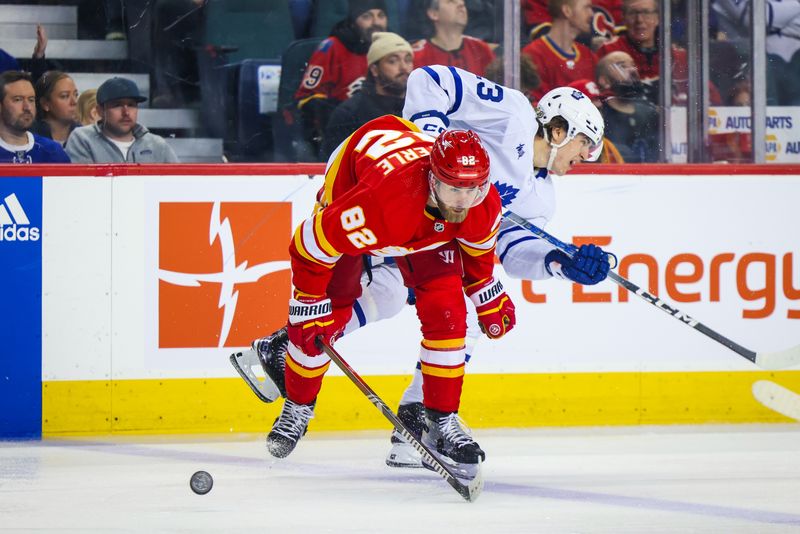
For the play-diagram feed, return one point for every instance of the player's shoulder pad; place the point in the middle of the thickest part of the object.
(325, 45)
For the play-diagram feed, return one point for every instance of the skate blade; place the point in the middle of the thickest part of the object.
(245, 363)
(403, 455)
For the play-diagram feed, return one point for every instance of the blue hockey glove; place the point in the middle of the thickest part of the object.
(588, 266)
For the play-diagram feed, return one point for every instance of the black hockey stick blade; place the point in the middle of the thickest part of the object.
(245, 362)
(765, 360)
(469, 491)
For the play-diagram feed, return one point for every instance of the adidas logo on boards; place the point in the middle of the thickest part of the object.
(14, 222)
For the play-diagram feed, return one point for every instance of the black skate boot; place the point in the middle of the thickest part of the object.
(289, 427)
(271, 352)
(446, 436)
(402, 454)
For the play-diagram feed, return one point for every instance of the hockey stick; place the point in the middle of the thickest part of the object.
(765, 360)
(777, 398)
(470, 491)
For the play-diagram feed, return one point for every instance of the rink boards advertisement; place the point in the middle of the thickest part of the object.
(124, 310)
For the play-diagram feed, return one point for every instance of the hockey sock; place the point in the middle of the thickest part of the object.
(304, 377)
(413, 392)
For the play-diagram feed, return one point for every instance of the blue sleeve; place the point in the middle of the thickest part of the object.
(7, 61)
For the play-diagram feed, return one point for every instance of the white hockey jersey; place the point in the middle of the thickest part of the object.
(439, 98)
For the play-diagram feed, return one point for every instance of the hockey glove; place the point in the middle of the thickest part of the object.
(310, 317)
(588, 266)
(495, 309)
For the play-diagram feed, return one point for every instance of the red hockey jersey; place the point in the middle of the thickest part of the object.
(333, 72)
(375, 197)
(557, 67)
(473, 56)
(649, 65)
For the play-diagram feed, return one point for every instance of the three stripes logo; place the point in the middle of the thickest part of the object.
(14, 222)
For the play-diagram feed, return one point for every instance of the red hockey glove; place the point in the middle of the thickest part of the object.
(495, 309)
(310, 317)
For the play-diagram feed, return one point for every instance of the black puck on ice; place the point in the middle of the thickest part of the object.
(201, 482)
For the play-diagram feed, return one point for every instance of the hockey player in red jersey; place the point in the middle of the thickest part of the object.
(391, 190)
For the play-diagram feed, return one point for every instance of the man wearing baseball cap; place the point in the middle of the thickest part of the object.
(390, 60)
(117, 137)
(337, 68)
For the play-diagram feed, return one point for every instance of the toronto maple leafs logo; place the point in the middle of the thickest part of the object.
(507, 192)
(520, 150)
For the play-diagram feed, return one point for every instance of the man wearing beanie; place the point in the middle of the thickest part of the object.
(336, 69)
(389, 62)
(447, 44)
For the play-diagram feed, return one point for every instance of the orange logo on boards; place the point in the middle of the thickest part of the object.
(224, 272)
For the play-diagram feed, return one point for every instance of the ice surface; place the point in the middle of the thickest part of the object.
(717, 479)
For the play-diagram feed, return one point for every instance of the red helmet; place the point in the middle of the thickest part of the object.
(459, 159)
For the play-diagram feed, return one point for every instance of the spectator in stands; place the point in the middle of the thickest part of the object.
(390, 59)
(17, 113)
(337, 68)
(558, 57)
(447, 44)
(640, 41)
(632, 122)
(739, 94)
(782, 44)
(610, 153)
(56, 106)
(118, 138)
(36, 65)
(87, 107)
(607, 16)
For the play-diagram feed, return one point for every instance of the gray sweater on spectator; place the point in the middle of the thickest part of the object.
(87, 144)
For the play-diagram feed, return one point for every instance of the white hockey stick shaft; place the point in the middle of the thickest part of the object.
(765, 360)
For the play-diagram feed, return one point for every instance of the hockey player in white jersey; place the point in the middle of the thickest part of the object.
(524, 147)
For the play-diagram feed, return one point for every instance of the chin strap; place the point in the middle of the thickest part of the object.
(553, 148)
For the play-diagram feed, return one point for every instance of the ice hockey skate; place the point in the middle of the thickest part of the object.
(402, 454)
(446, 436)
(271, 352)
(289, 427)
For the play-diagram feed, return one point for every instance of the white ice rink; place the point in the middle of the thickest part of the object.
(720, 479)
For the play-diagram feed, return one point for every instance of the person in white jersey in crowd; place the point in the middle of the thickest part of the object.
(525, 147)
(117, 137)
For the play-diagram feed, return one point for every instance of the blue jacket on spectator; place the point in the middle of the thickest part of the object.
(38, 150)
(7, 61)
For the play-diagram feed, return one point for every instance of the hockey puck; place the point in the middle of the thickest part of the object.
(201, 482)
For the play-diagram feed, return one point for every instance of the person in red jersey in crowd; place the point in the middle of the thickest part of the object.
(391, 190)
(448, 45)
(559, 59)
(607, 16)
(337, 68)
(640, 41)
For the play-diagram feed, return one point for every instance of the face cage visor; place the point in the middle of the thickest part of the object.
(594, 151)
(458, 197)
